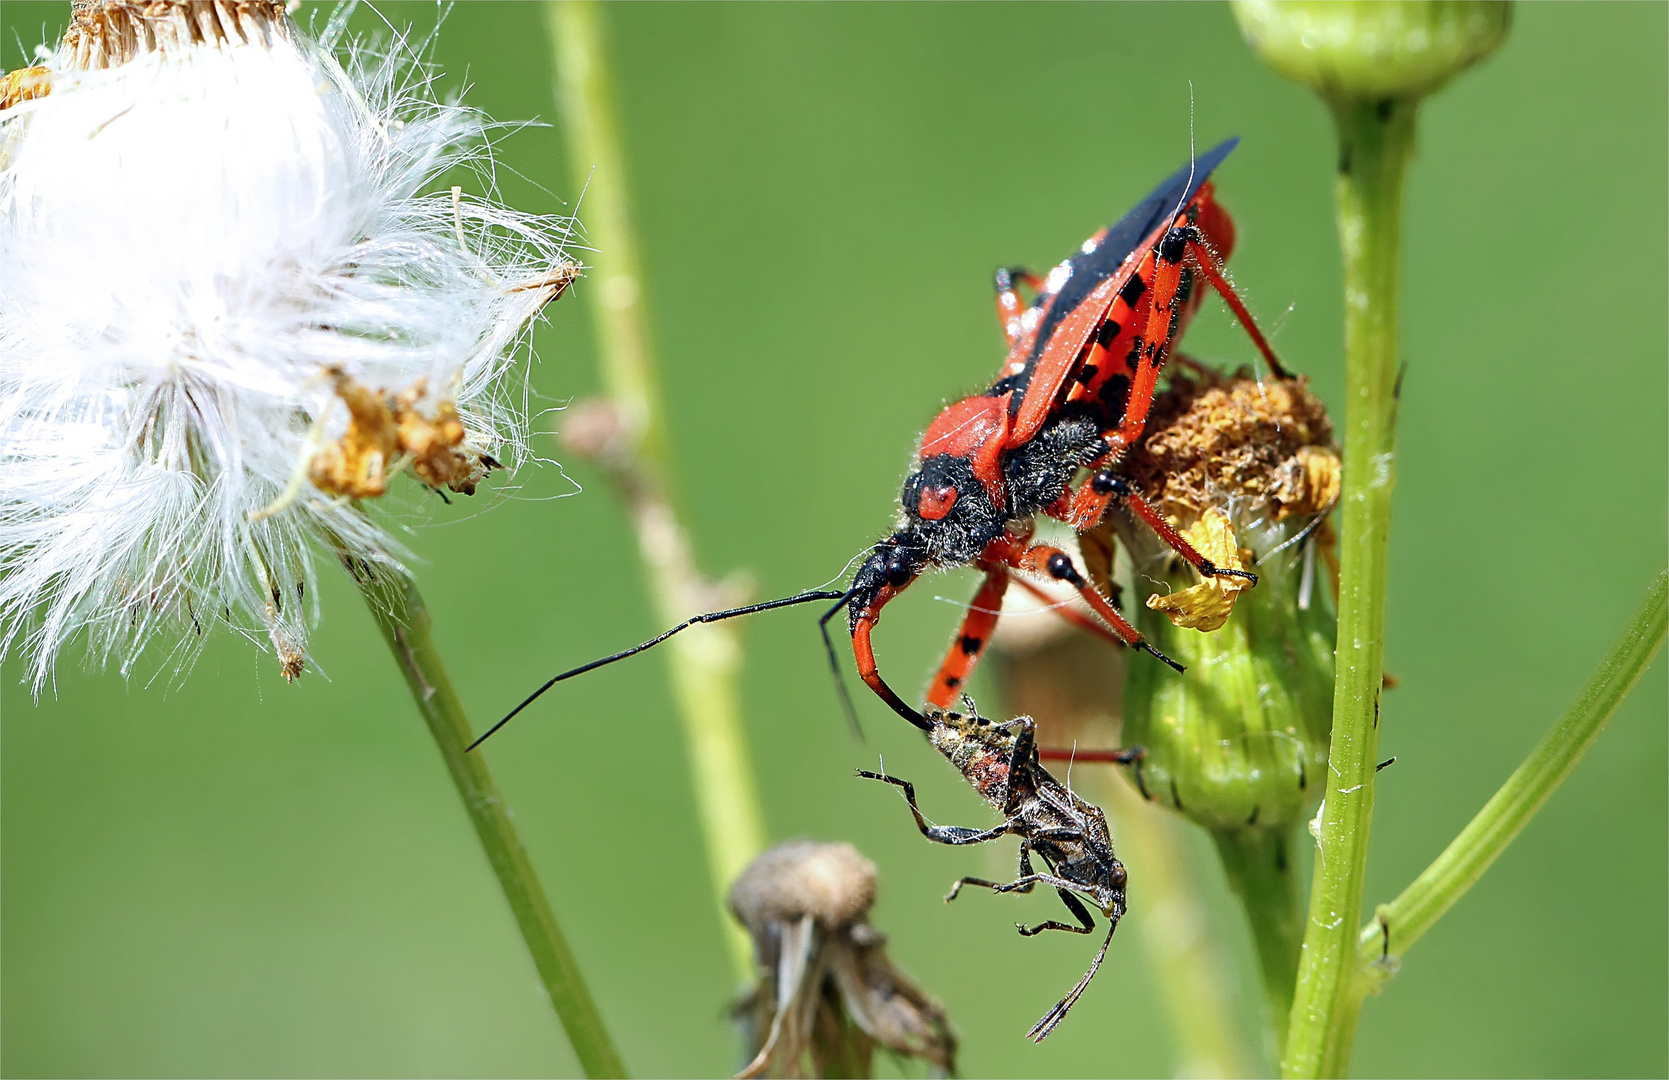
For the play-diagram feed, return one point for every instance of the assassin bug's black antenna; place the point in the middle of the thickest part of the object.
(834, 663)
(707, 617)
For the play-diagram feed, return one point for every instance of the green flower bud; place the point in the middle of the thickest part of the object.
(1240, 739)
(1369, 50)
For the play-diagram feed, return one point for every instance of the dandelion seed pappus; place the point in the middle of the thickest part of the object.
(1073, 395)
(1069, 834)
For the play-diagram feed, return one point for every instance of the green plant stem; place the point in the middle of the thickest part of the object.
(705, 660)
(1259, 862)
(404, 621)
(1400, 923)
(1176, 933)
(1376, 141)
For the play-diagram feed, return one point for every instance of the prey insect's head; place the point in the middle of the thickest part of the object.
(1109, 889)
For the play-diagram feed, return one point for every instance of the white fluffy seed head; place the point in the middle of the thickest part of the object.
(208, 229)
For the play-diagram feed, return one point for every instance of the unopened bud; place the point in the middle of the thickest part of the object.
(1370, 50)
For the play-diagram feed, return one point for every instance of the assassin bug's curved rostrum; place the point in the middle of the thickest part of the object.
(1067, 833)
(1074, 392)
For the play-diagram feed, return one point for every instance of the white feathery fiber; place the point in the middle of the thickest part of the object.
(204, 218)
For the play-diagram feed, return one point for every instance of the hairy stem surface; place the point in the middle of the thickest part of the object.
(404, 621)
(705, 659)
(1376, 140)
(1400, 923)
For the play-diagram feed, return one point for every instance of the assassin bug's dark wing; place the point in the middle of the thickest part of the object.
(1085, 288)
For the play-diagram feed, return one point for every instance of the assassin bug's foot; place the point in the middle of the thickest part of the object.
(1207, 568)
(1151, 651)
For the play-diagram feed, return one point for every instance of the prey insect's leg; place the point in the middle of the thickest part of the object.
(998, 886)
(1085, 923)
(1043, 559)
(954, 835)
(1009, 305)
(970, 639)
(1024, 884)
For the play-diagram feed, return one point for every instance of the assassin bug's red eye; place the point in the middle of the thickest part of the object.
(935, 503)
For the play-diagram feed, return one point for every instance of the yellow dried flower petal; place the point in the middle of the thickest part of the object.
(1206, 606)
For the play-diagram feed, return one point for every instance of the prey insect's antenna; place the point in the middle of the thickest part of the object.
(1054, 1016)
(711, 616)
(834, 663)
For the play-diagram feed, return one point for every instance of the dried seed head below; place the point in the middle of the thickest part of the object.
(827, 993)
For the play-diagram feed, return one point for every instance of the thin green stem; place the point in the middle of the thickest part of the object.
(1175, 931)
(404, 622)
(1400, 923)
(706, 659)
(1260, 866)
(1376, 142)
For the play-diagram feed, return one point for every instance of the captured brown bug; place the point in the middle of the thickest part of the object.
(1067, 833)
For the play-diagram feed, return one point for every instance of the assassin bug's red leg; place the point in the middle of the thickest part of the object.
(1155, 339)
(1105, 486)
(1106, 757)
(1043, 559)
(1071, 615)
(971, 638)
(1009, 305)
(1208, 266)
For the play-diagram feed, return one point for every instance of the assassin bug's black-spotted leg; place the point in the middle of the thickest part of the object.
(1067, 833)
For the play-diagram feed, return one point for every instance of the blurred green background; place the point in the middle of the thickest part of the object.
(233, 876)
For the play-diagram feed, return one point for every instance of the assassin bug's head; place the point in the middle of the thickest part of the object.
(892, 564)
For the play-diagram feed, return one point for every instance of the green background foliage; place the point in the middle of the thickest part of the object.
(224, 875)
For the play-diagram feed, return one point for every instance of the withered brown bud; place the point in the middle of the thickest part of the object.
(827, 994)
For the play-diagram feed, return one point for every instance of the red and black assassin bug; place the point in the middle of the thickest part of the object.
(1074, 391)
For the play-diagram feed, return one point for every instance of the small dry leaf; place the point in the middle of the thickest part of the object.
(1206, 606)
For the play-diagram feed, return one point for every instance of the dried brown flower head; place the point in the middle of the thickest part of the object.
(827, 994)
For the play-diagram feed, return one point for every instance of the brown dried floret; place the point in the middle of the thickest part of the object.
(385, 431)
(109, 33)
(1266, 446)
(827, 993)
(24, 84)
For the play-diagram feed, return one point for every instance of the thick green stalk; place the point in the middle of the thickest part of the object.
(1376, 141)
(705, 659)
(404, 622)
(1259, 862)
(1400, 923)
